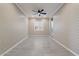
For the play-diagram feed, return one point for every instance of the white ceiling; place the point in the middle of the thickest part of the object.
(50, 8)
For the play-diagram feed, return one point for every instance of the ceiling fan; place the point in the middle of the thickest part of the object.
(40, 12)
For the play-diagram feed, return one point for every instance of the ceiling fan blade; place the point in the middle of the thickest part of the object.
(42, 10)
(34, 11)
(44, 13)
(39, 11)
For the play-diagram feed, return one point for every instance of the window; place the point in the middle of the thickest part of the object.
(38, 25)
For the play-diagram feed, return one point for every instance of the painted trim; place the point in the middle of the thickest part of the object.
(68, 49)
(59, 8)
(55, 11)
(74, 53)
(39, 35)
(8, 50)
(20, 8)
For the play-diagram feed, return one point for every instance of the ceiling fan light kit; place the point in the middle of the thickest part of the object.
(39, 12)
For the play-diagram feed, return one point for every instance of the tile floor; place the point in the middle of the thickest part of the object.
(39, 46)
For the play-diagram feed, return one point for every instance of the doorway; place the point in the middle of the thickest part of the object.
(38, 25)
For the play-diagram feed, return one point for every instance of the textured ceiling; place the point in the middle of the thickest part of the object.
(50, 8)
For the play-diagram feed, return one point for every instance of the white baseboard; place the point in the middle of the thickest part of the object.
(68, 49)
(13, 46)
(49, 36)
(39, 35)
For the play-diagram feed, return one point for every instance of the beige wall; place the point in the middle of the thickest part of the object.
(12, 26)
(66, 26)
(31, 27)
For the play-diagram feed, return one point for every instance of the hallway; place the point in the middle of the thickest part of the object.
(39, 46)
(39, 29)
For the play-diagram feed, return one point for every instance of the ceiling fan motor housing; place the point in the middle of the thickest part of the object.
(39, 12)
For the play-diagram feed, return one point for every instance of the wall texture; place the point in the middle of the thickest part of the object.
(12, 26)
(66, 26)
(45, 30)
